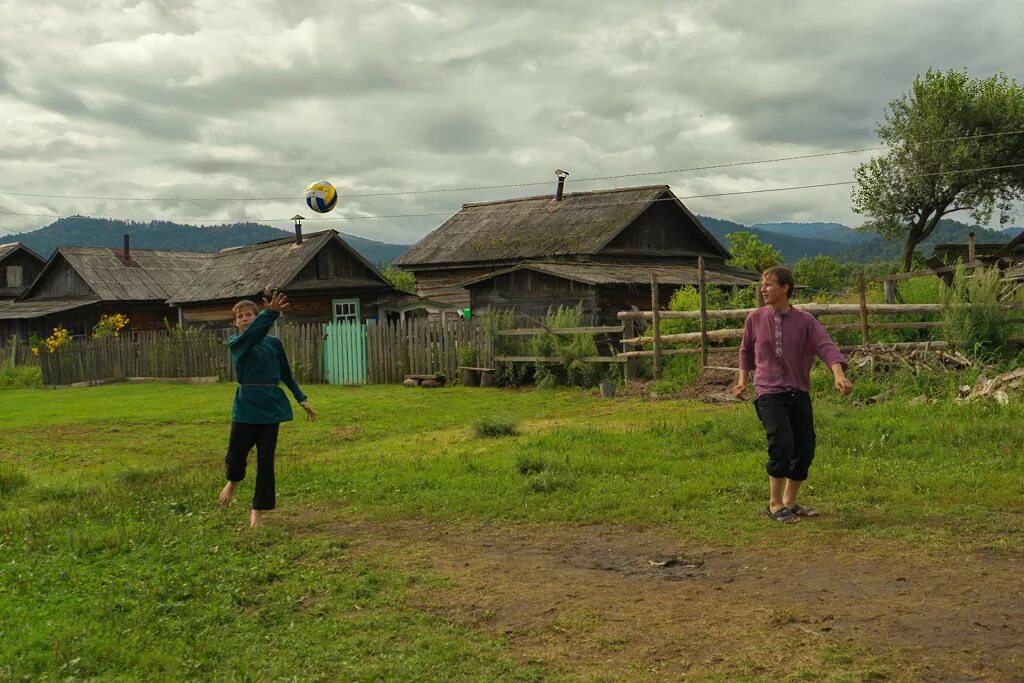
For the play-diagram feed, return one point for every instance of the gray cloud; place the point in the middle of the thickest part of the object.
(211, 99)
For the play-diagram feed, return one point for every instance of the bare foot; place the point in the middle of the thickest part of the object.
(255, 518)
(227, 492)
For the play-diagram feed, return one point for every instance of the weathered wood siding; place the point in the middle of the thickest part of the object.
(662, 230)
(304, 308)
(142, 316)
(440, 285)
(333, 264)
(62, 282)
(532, 294)
(30, 269)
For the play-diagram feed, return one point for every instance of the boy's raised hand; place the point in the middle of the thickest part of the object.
(278, 302)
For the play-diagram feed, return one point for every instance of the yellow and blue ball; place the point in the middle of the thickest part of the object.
(321, 196)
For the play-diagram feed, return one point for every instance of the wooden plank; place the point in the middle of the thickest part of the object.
(701, 284)
(862, 295)
(526, 332)
(656, 325)
(687, 337)
(558, 359)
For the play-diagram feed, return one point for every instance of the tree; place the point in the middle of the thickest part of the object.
(819, 273)
(400, 279)
(955, 144)
(751, 253)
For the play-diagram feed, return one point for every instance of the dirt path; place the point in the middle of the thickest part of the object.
(642, 604)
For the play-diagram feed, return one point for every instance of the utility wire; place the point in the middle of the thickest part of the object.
(586, 207)
(512, 185)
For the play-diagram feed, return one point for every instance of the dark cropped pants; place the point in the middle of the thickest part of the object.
(243, 437)
(789, 425)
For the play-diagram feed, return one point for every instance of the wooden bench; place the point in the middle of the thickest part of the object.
(425, 381)
(477, 377)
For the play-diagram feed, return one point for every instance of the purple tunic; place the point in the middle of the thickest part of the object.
(782, 348)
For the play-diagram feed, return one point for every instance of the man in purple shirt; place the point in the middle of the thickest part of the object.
(780, 343)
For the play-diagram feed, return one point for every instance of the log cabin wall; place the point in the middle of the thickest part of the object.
(439, 285)
(533, 294)
(304, 308)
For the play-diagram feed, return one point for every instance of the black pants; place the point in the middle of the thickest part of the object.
(243, 437)
(789, 425)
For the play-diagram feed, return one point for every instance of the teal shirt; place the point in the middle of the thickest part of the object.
(260, 365)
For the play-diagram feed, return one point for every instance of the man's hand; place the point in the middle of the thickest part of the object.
(278, 302)
(310, 413)
(740, 390)
(843, 385)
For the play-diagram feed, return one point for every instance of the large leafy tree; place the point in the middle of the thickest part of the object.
(751, 253)
(955, 144)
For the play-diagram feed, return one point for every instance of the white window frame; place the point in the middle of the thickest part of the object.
(350, 315)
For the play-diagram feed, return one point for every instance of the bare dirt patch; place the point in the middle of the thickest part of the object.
(642, 604)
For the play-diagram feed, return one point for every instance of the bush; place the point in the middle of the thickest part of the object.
(20, 377)
(975, 317)
(495, 427)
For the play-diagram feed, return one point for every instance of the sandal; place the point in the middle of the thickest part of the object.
(801, 511)
(782, 515)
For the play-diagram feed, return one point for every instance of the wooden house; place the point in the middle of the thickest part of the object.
(324, 277)
(80, 284)
(19, 265)
(325, 280)
(600, 248)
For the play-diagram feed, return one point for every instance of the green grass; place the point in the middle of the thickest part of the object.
(116, 564)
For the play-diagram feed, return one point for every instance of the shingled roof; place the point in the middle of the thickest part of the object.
(246, 271)
(582, 223)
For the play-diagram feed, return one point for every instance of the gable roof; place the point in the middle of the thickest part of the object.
(149, 274)
(245, 271)
(582, 223)
(599, 273)
(11, 247)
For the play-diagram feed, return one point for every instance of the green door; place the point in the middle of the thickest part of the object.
(345, 353)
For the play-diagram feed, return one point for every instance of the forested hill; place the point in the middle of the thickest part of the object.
(82, 231)
(794, 240)
(797, 240)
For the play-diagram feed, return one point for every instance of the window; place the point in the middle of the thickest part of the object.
(14, 276)
(346, 310)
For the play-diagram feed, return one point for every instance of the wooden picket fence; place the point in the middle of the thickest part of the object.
(419, 346)
(383, 354)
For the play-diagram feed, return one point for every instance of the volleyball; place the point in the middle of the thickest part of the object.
(321, 196)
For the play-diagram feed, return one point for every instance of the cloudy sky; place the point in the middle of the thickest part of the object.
(123, 109)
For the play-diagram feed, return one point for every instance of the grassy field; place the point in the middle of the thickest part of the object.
(116, 563)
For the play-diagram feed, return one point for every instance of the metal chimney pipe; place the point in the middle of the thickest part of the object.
(561, 175)
(298, 228)
(127, 247)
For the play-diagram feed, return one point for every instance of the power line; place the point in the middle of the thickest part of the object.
(471, 188)
(566, 208)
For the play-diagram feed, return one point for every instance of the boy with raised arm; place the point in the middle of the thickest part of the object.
(260, 405)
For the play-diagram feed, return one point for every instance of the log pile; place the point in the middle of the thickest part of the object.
(884, 360)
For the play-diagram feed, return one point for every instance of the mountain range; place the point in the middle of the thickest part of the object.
(794, 240)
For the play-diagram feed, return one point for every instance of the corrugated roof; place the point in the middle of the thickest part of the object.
(17, 310)
(582, 223)
(628, 274)
(148, 275)
(11, 247)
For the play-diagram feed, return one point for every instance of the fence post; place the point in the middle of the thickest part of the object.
(629, 328)
(890, 291)
(656, 320)
(862, 292)
(702, 288)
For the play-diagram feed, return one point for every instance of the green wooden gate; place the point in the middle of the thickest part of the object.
(345, 353)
